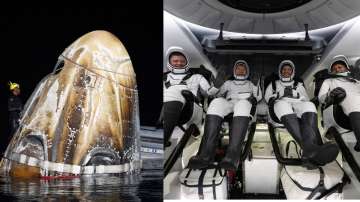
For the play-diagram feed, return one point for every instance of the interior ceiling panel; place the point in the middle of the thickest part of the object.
(264, 6)
(264, 16)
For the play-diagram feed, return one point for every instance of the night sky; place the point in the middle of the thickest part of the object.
(32, 39)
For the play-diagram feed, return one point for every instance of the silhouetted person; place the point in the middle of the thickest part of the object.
(15, 106)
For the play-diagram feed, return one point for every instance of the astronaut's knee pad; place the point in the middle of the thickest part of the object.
(282, 108)
(219, 107)
(351, 103)
(308, 106)
(173, 93)
(242, 108)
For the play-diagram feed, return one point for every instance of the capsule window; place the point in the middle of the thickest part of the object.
(59, 66)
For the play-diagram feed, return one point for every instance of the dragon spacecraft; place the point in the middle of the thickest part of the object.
(83, 117)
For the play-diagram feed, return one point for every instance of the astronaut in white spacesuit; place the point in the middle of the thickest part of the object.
(239, 96)
(181, 88)
(344, 90)
(290, 105)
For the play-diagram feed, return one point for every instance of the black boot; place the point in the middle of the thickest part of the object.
(316, 151)
(310, 118)
(239, 128)
(355, 124)
(312, 154)
(172, 112)
(206, 153)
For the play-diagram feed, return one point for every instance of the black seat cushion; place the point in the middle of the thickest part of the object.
(186, 112)
(272, 113)
(340, 117)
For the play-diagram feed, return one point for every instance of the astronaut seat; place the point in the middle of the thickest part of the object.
(297, 180)
(189, 124)
(212, 182)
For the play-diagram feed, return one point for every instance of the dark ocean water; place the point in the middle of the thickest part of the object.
(144, 186)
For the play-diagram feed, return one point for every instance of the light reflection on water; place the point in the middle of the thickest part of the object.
(146, 186)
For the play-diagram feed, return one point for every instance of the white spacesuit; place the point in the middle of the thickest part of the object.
(238, 96)
(343, 90)
(288, 103)
(181, 89)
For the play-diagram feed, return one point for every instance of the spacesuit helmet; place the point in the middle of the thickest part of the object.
(245, 64)
(282, 65)
(173, 52)
(339, 59)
